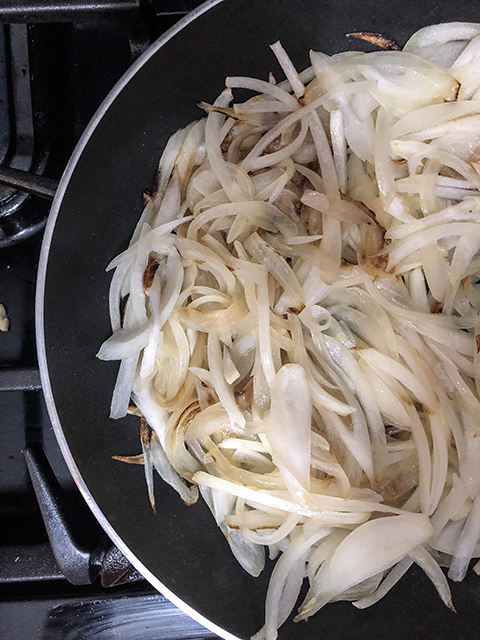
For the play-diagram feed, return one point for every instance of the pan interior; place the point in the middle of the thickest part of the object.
(93, 220)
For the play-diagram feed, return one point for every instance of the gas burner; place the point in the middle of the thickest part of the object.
(24, 141)
(41, 46)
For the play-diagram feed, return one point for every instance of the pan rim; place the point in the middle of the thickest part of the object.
(40, 321)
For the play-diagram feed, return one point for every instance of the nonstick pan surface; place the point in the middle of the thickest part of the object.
(180, 550)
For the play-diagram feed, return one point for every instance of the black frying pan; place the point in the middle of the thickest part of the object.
(180, 551)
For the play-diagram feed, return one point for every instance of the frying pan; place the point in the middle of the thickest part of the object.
(180, 550)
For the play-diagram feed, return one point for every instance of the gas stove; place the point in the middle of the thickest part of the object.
(60, 576)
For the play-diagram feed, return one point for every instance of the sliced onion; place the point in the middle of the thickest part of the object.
(297, 320)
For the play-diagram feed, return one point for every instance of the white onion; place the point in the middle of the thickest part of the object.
(303, 344)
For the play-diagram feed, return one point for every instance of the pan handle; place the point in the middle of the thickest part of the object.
(30, 182)
(80, 563)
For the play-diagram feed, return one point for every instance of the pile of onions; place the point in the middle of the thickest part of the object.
(297, 319)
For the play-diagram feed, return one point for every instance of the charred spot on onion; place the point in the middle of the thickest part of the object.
(436, 306)
(295, 310)
(375, 38)
(149, 273)
(138, 459)
(456, 92)
(145, 432)
(209, 108)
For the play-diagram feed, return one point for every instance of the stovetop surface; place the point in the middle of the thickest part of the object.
(77, 63)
